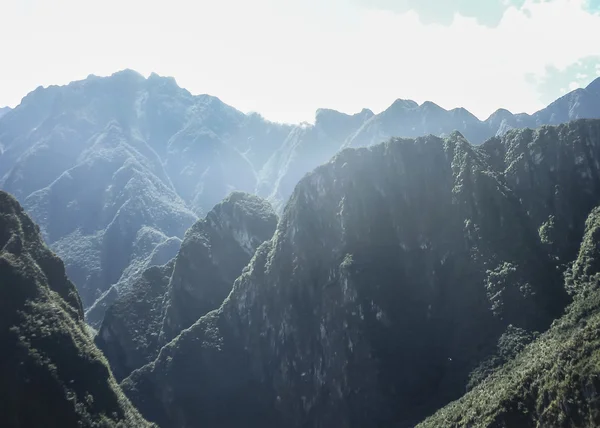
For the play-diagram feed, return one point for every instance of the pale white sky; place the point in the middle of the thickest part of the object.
(286, 58)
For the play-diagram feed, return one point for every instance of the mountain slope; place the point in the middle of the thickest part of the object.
(394, 274)
(169, 299)
(52, 374)
(554, 382)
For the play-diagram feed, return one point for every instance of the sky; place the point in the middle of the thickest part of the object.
(286, 58)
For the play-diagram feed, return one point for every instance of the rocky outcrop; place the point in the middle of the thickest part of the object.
(395, 272)
(52, 374)
(169, 299)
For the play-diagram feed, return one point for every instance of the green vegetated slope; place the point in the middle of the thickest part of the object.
(52, 374)
(400, 275)
(555, 381)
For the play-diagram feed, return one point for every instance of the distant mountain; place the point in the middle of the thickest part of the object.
(4, 110)
(52, 374)
(400, 275)
(116, 169)
(168, 299)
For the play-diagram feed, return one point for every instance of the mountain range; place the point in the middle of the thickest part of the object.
(416, 266)
(116, 169)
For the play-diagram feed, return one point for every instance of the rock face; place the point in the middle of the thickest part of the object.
(554, 381)
(52, 374)
(168, 299)
(396, 272)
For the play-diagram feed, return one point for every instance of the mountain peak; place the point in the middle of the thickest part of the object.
(128, 74)
(367, 112)
(594, 86)
(501, 113)
(403, 104)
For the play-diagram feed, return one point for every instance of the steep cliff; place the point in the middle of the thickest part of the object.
(52, 374)
(396, 271)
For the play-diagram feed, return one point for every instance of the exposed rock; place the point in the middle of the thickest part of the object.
(52, 374)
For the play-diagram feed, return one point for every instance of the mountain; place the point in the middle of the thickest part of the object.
(116, 169)
(4, 110)
(399, 276)
(168, 299)
(554, 380)
(52, 374)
